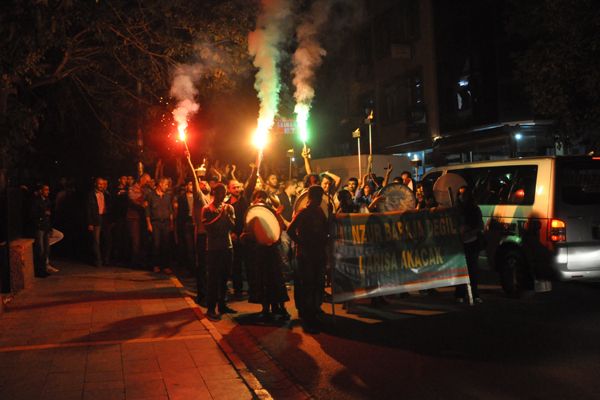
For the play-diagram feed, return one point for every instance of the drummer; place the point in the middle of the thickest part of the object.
(266, 285)
(309, 231)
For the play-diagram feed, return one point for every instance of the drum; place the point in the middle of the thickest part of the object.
(446, 187)
(396, 197)
(262, 222)
(302, 201)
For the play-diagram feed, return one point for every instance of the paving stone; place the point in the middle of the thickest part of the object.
(143, 389)
(142, 377)
(68, 395)
(104, 376)
(137, 366)
(108, 394)
(186, 393)
(209, 357)
(228, 389)
(104, 366)
(217, 372)
(105, 385)
(64, 381)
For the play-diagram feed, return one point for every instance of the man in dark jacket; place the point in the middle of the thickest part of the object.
(97, 212)
(309, 230)
(41, 213)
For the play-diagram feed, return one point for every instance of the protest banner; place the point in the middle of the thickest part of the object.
(384, 253)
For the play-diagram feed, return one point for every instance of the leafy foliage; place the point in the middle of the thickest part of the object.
(560, 65)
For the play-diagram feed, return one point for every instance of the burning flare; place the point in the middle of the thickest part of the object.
(184, 90)
(301, 111)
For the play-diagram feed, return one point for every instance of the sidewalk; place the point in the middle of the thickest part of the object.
(114, 333)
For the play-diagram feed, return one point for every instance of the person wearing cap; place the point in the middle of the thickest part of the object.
(309, 230)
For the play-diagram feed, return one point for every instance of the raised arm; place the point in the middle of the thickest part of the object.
(197, 190)
(306, 157)
(388, 173)
(233, 167)
(250, 183)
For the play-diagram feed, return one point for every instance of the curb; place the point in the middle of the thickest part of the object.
(247, 376)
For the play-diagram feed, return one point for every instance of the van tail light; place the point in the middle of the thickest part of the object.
(557, 230)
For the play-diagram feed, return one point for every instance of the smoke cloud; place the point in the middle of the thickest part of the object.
(264, 45)
(309, 53)
(184, 90)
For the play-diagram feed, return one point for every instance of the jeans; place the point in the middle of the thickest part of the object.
(201, 266)
(309, 283)
(41, 248)
(101, 242)
(218, 264)
(237, 277)
(472, 257)
(161, 240)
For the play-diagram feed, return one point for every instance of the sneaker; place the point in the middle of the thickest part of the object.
(156, 270)
(168, 271)
(213, 316)
(51, 269)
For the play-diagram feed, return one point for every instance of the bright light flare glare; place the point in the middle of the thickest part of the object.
(260, 138)
(301, 111)
(181, 130)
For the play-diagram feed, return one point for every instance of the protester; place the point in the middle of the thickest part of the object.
(470, 230)
(239, 198)
(186, 228)
(136, 222)
(201, 199)
(407, 180)
(287, 198)
(265, 278)
(119, 215)
(98, 222)
(159, 222)
(219, 220)
(41, 216)
(352, 186)
(309, 231)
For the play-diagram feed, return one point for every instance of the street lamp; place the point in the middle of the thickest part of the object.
(290, 155)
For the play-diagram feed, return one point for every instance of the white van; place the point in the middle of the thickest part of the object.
(541, 215)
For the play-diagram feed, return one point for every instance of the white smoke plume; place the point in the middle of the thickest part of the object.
(264, 45)
(309, 53)
(184, 90)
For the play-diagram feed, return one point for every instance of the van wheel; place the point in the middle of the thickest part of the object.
(514, 276)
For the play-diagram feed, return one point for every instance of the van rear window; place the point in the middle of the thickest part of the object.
(579, 181)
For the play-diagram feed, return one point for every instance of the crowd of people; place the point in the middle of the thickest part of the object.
(198, 225)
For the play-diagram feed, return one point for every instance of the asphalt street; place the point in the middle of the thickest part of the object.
(543, 345)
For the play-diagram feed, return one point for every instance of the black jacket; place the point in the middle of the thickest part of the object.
(41, 214)
(92, 212)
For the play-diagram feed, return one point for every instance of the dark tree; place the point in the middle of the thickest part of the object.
(559, 64)
(77, 74)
